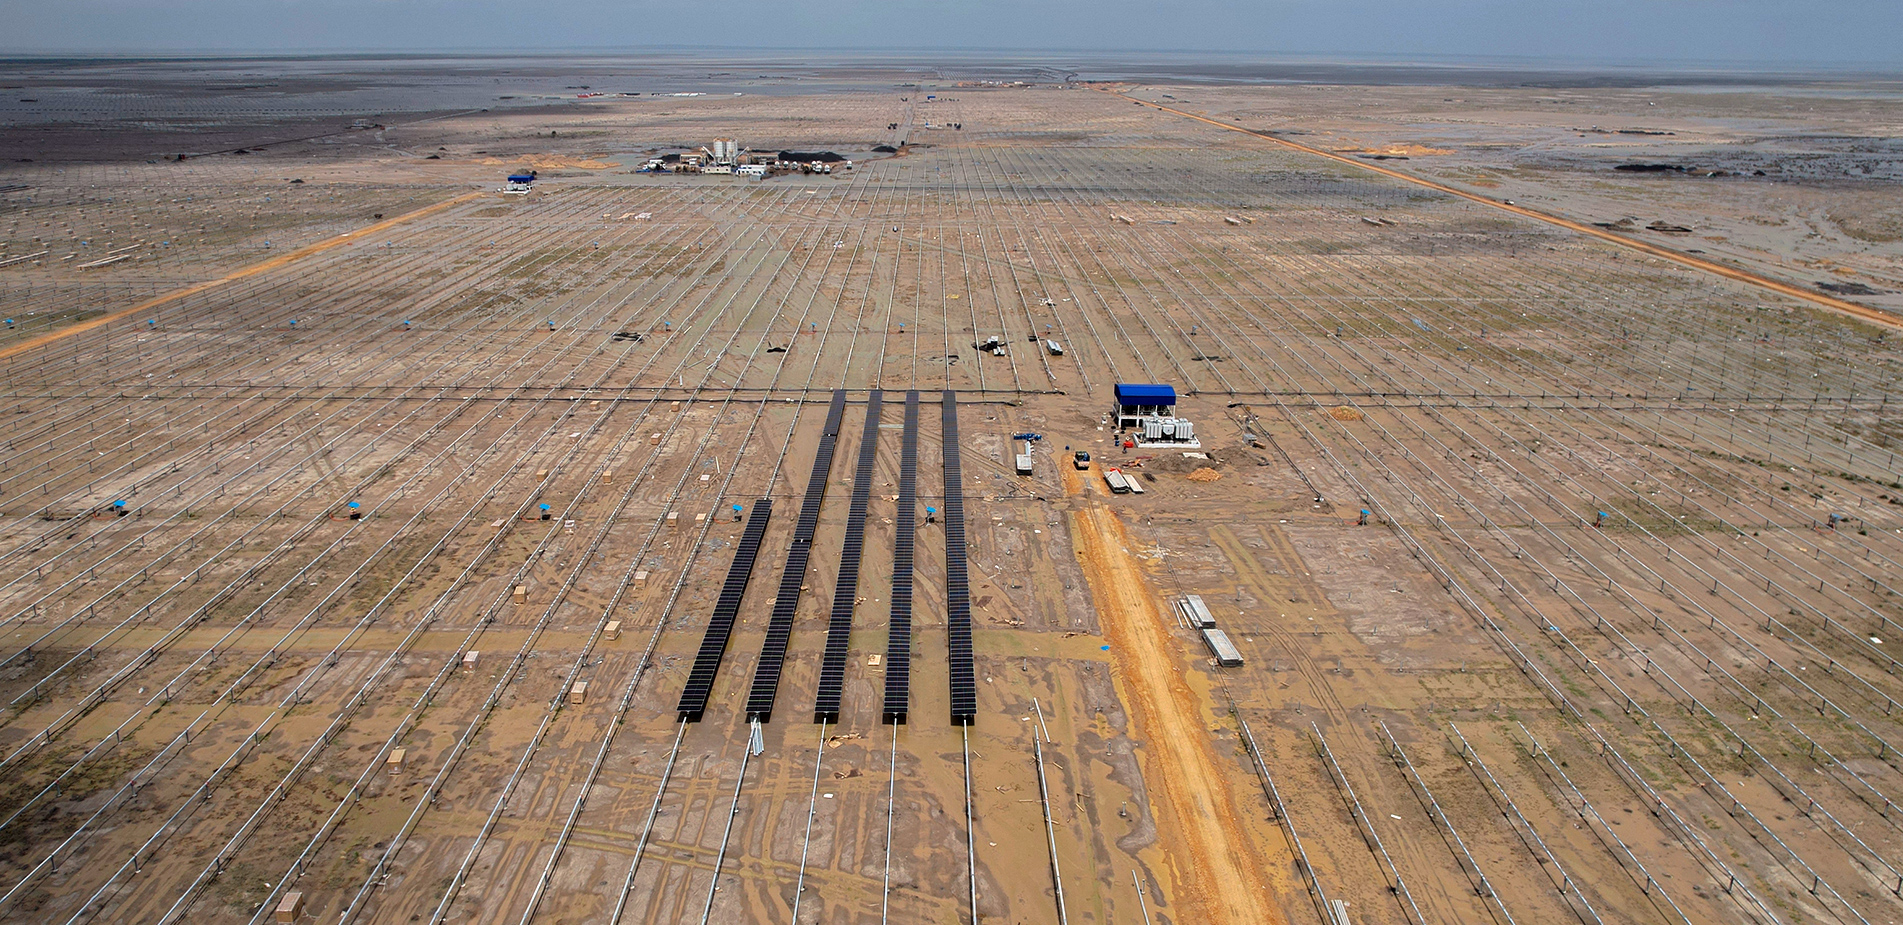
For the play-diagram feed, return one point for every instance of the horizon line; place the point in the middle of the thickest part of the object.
(1540, 63)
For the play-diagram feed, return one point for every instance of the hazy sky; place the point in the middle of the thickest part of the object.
(1808, 32)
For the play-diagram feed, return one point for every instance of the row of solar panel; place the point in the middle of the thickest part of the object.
(779, 630)
(898, 651)
(713, 645)
(964, 684)
(899, 644)
(832, 671)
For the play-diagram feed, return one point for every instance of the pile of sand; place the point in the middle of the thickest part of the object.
(1400, 151)
(1205, 474)
(1344, 413)
(537, 162)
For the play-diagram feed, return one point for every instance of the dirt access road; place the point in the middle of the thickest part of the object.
(348, 237)
(1854, 310)
(1206, 851)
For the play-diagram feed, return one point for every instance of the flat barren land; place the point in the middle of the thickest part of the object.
(362, 526)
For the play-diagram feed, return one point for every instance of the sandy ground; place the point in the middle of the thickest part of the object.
(1779, 182)
(1622, 596)
(1203, 844)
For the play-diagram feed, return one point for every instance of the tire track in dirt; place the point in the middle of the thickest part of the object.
(348, 237)
(1206, 852)
(1251, 575)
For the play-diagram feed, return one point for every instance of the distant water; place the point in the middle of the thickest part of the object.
(184, 92)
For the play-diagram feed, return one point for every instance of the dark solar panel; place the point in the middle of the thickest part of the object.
(898, 651)
(700, 678)
(832, 670)
(964, 685)
(779, 630)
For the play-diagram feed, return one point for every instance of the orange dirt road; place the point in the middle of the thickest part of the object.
(33, 343)
(1217, 872)
(1860, 312)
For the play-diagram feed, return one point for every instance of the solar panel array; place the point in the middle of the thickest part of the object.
(700, 679)
(832, 670)
(779, 630)
(964, 682)
(898, 651)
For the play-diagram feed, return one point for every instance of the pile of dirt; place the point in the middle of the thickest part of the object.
(1849, 289)
(1396, 152)
(1174, 463)
(536, 162)
(1205, 474)
(1344, 413)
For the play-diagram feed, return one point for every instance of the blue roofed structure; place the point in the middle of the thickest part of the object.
(1148, 413)
(1159, 396)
